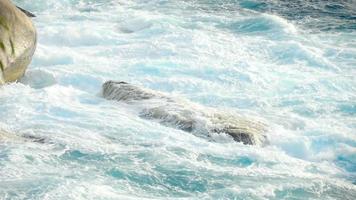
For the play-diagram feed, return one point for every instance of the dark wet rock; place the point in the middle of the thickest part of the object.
(6, 136)
(36, 139)
(184, 114)
(28, 13)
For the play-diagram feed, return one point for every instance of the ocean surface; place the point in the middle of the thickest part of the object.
(290, 64)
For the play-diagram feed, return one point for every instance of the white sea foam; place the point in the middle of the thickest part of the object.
(215, 54)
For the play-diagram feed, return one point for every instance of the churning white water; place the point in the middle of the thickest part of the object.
(296, 74)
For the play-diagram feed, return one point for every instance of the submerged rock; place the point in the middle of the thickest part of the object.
(184, 114)
(17, 41)
(11, 137)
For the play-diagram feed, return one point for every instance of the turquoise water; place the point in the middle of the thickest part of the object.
(291, 65)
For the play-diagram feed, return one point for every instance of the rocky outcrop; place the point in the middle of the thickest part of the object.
(17, 41)
(184, 114)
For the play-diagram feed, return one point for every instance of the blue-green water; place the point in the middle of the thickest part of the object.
(289, 64)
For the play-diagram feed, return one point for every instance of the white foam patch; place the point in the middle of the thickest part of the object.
(38, 79)
(45, 56)
(301, 83)
(134, 25)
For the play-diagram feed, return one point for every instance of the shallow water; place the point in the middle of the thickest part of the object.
(269, 60)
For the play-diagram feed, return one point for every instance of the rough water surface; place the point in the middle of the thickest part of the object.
(292, 66)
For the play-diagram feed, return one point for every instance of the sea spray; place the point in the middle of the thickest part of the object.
(293, 72)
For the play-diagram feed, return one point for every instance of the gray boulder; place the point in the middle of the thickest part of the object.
(17, 41)
(184, 114)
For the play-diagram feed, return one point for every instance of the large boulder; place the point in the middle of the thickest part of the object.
(184, 114)
(17, 41)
